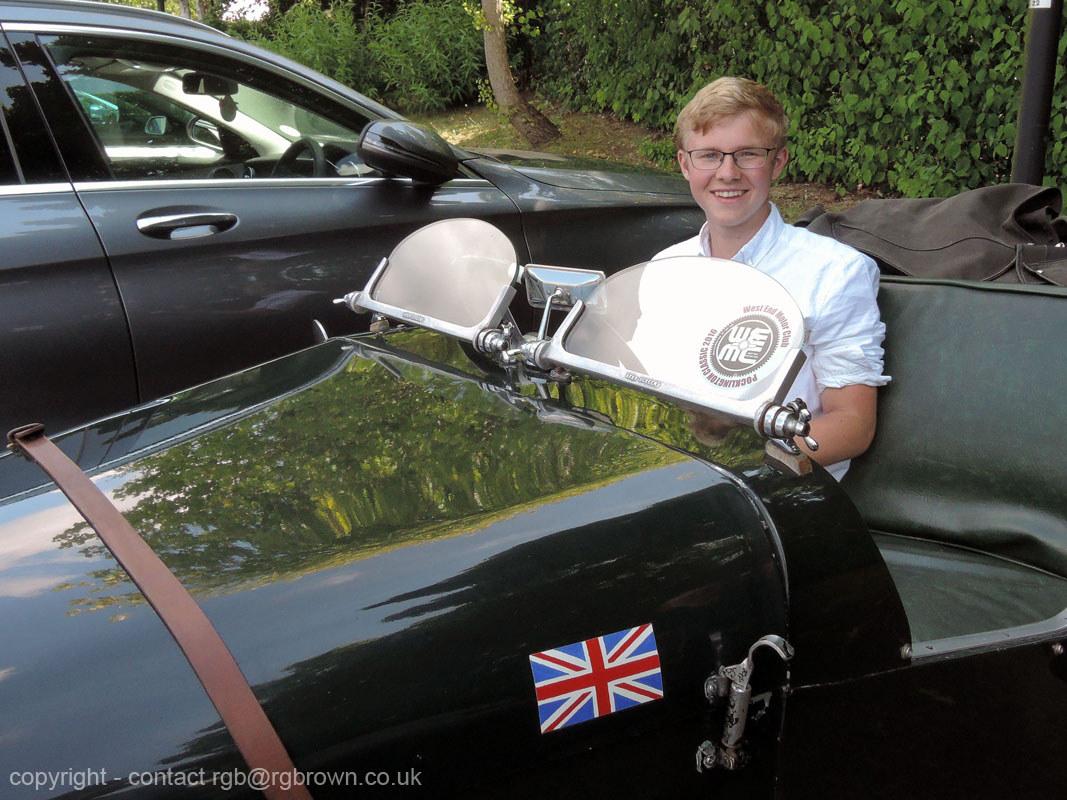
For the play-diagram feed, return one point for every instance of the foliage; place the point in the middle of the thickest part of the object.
(914, 95)
(427, 55)
(660, 150)
(383, 454)
(212, 9)
(521, 26)
(325, 39)
(512, 15)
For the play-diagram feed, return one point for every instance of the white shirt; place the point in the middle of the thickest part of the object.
(836, 288)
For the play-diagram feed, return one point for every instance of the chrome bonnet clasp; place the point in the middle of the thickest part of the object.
(732, 685)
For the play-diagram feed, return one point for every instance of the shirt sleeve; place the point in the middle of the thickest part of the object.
(846, 339)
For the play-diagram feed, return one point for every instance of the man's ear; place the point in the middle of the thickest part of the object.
(780, 160)
(682, 163)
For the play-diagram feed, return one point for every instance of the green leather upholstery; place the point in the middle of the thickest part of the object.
(971, 446)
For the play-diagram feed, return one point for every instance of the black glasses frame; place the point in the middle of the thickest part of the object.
(766, 155)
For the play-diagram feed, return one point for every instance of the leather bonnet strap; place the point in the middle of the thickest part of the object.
(208, 655)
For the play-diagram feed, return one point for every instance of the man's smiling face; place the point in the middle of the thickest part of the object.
(734, 200)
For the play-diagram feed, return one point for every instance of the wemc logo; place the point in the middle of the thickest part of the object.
(731, 357)
(745, 345)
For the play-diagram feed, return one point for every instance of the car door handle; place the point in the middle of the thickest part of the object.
(187, 225)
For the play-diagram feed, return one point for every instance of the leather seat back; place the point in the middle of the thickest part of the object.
(971, 445)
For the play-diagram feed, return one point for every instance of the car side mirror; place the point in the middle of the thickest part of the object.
(407, 150)
(156, 126)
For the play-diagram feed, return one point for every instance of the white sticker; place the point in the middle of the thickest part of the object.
(1040, 3)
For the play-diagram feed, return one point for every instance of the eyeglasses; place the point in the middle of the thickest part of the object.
(748, 158)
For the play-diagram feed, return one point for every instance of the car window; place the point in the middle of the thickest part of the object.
(26, 151)
(8, 173)
(9, 78)
(161, 112)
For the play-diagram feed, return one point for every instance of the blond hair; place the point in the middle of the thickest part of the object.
(728, 97)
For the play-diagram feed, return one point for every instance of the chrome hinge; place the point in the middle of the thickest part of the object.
(731, 685)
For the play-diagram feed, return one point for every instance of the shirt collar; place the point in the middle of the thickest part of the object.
(760, 244)
(756, 247)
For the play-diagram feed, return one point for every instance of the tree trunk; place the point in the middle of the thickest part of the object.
(183, 9)
(535, 127)
(202, 10)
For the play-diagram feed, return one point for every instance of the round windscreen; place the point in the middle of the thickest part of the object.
(452, 270)
(704, 324)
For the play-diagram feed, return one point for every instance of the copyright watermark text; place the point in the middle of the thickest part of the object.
(258, 779)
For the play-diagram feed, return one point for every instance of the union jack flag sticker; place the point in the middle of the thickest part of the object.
(599, 676)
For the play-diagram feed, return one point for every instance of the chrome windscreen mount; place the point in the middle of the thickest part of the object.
(453, 276)
(717, 337)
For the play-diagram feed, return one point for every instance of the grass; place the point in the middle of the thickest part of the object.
(606, 136)
(591, 135)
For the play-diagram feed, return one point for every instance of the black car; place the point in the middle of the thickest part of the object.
(176, 204)
(512, 565)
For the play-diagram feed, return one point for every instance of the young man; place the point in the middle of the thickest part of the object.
(731, 142)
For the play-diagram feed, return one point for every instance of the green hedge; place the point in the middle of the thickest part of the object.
(919, 97)
(426, 55)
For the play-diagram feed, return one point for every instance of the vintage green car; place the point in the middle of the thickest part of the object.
(457, 558)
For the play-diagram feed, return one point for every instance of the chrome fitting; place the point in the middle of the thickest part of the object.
(773, 421)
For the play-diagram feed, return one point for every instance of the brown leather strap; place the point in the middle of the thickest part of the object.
(208, 655)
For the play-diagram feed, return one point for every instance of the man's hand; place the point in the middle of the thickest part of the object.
(708, 428)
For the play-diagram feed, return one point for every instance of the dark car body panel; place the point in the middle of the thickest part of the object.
(60, 343)
(591, 208)
(380, 632)
(988, 726)
(250, 293)
(212, 299)
(575, 172)
(57, 343)
(383, 532)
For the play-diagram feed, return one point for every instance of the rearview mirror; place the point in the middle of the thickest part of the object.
(201, 83)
